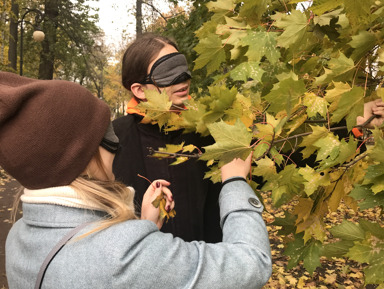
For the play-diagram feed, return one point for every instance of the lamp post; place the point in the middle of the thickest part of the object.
(38, 35)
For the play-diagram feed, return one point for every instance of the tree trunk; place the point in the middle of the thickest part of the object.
(47, 56)
(139, 17)
(12, 52)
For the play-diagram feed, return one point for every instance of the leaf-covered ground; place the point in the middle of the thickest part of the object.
(335, 273)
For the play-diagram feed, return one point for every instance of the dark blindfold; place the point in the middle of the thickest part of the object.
(168, 70)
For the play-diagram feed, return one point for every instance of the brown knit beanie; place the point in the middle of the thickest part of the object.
(49, 129)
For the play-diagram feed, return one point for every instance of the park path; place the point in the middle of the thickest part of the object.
(8, 189)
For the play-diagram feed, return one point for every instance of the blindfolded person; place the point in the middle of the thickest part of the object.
(57, 141)
(153, 62)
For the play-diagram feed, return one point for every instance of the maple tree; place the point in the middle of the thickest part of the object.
(289, 79)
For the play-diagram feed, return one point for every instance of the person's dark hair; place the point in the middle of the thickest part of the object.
(139, 55)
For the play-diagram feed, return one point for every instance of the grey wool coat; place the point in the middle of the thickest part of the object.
(135, 254)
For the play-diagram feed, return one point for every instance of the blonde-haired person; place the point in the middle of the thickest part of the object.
(79, 229)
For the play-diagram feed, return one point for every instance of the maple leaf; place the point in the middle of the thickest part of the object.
(223, 99)
(193, 117)
(309, 253)
(240, 110)
(232, 141)
(285, 185)
(247, 70)
(295, 25)
(285, 95)
(313, 179)
(348, 231)
(344, 151)
(334, 94)
(337, 249)
(325, 19)
(340, 69)
(366, 197)
(160, 202)
(315, 105)
(265, 168)
(321, 6)
(350, 106)
(253, 11)
(156, 108)
(211, 53)
(357, 12)
(362, 43)
(261, 43)
(318, 132)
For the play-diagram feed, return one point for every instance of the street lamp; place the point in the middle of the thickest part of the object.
(38, 35)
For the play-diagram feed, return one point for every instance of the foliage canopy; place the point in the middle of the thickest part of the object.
(288, 79)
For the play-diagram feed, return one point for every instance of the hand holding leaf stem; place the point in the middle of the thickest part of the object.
(236, 168)
(157, 191)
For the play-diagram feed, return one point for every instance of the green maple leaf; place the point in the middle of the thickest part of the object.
(321, 6)
(337, 249)
(214, 174)
(348, 231)
(309, 253)
(360, 252)
(156, 108)
(375, 177)
(211, 53)
(318, 132)
(253, 10)
(325, 19)
(247, 70)
(232, 141)
(358, 12)
(363, 42)
(339, 69)
(313, 179)
(294, 25)
(315, 105)
(193, 117)
(374, 274)
(261, 43)
(265, 168)
(366, 197)
(221, 6)
(334, 94)
(342, 153)
(285, 95)
(286, 184)
(222, 99)
(350, 106)
(311, 256)
(377, 153)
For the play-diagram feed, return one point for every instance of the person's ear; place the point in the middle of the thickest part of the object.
(138, 90)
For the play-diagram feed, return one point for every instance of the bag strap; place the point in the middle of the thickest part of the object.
(53, 253)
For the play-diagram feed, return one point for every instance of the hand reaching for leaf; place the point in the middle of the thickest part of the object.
(375, 107)
(236, 168)
(158, 203)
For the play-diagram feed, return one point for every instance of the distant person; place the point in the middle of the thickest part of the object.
(153, 62)
(56, 140)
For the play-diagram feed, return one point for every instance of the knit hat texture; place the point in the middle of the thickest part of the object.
(49, 129)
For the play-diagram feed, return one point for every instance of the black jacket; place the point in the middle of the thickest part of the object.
(196, 198)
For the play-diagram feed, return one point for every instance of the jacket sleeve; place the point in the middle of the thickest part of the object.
(242, 260)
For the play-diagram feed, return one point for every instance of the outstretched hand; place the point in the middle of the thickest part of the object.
(375, 107)
(148, 210)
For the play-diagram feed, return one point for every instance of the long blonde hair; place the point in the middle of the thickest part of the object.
(110, 196)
